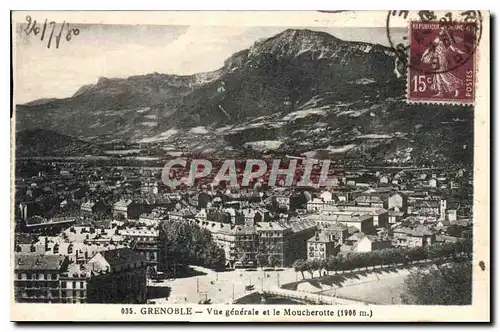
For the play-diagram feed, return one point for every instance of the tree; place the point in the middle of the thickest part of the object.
(372, 258)
(396, 256)
(454, 230)
(183, 244)
(315, 266)
(445, 285)
(261, 259)
(352, 261)
(365, 259)
(339, 263)
(308, 266)
(218, 258)
(299, 266)
(416, 253)
(243, 257)
(332, 264)
(434, 251)
(346, 262)
(465, 247)
(322, 265)
(449, 250)
(272, 260)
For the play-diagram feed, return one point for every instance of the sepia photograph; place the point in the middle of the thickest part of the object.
(216, 168)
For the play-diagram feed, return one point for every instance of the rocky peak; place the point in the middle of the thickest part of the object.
(293, 42)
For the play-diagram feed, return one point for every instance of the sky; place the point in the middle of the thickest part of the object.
(104, 50)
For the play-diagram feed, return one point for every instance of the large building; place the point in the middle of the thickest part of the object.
(238, 241)
(362, 222)
(302, 230)
(127, 209)
(339, 231)
(418, 237)
(380, 215)
(144, 240)
(273, 241)
(41, 225)
(90, 207)
(118, 276)
(74, 283)
(112, 276)
(36, 278)
(322, 245)
(370, 243)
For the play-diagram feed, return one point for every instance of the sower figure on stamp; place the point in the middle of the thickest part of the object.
(438, 54)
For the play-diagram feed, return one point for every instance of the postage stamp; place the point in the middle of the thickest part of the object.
(441, 64)
(250, 166)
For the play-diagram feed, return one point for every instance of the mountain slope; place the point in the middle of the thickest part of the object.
(273, 75)
(42, 142)
(280, 73)
(299, 92)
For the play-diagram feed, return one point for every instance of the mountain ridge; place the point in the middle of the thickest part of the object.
(300, 90)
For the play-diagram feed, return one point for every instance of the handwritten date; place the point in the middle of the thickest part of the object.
(50, 32)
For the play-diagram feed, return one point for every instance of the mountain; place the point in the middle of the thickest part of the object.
(299, 92)
(42, 142)
(283, 72)
(111, 107)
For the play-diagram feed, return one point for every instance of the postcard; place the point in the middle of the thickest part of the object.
(315, 166)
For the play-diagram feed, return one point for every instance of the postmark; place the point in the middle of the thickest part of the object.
(439, 54)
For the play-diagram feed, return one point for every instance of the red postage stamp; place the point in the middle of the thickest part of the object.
(441, 66)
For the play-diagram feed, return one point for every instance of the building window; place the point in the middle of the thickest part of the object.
(19, 276)
(81, 284)
(74, 284)
(54, 276)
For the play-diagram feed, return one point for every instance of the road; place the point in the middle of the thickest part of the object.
(222, 287)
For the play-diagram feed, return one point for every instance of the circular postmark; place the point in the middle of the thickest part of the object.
(433, 42)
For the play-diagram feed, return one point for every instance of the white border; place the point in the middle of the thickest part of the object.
(186, 4)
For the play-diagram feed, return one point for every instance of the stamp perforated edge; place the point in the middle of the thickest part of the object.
(451, 102)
